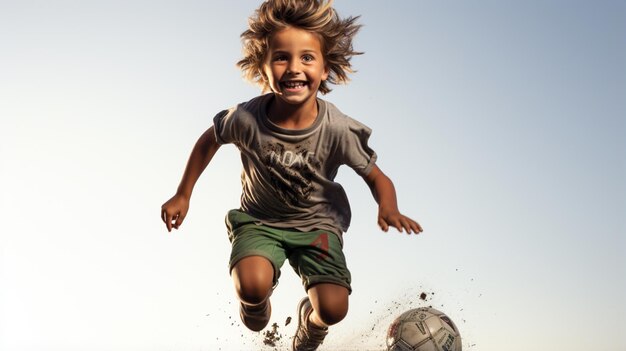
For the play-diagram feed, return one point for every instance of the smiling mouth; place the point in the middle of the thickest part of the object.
(293, 84)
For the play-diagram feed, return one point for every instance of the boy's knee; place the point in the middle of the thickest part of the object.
(253, 294)
(253, 278)
(330, 303)
(332, 315)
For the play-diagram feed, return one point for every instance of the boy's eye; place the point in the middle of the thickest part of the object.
(280, 58)
(307, 58)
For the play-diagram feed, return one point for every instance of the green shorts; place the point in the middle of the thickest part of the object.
(317, 256)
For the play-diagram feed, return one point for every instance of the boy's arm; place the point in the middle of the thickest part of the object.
(173, 211)
(385, 195)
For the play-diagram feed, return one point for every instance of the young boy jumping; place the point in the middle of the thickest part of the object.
(292, 144)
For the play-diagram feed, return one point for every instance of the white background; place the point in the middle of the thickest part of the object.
(501, 123)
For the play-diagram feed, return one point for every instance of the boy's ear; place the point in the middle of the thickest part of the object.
(326, 73)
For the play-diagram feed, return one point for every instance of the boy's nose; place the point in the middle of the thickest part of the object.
(294, 67)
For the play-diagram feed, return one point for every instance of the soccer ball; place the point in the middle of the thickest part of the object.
(423, 329)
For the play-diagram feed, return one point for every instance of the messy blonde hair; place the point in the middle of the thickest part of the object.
(315, 16)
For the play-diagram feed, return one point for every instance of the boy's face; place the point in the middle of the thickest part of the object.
(294, 65)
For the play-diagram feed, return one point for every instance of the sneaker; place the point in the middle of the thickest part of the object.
(308, 337)
(257, 317)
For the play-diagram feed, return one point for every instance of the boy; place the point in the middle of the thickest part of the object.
(291, 145)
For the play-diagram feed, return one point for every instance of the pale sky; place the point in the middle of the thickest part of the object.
(501, 123)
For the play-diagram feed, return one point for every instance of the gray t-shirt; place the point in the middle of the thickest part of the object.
(288, 175)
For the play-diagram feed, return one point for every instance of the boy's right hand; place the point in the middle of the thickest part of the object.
(173, 211)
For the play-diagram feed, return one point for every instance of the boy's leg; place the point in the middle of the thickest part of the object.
(318, 259)
(255, 261)
(253, 277)
(329, 302)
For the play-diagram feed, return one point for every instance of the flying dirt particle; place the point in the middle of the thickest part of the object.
(423, 296)
(272, 336)
(287, 321)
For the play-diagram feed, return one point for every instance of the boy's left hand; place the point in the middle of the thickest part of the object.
(388, 217)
